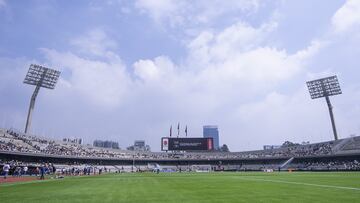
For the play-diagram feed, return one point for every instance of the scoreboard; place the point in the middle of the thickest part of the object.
(324, 87)
(186, 144)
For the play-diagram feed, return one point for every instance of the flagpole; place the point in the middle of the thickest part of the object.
(178, 128)
(170, 130)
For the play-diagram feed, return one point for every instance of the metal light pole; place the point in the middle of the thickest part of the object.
(31, 108)
(331, 117)
(39, 76)
(326, 87)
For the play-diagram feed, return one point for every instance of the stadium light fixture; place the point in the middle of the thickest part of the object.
(325, 87)
(39, 76)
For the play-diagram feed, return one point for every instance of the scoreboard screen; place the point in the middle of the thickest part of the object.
(186, 144)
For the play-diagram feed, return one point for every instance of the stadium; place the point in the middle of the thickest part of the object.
(328, 168)
(278, 80)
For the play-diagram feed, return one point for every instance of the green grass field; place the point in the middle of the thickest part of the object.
(190, 187)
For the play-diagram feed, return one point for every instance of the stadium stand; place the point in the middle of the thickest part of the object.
(30, 150)
(352, 144)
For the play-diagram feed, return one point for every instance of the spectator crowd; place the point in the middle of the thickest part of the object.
(14, 141)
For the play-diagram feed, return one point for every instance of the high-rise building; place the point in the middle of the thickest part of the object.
(211, 131)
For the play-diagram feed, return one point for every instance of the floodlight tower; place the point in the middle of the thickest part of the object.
(326, 87)
(39, 76)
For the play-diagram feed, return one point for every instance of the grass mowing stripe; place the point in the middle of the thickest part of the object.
(190, 188)
(27, 182)
(300, 183)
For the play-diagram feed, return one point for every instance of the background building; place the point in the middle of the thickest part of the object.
(139, 145)
(271, 147)
(106, 144)
(213, 132)
(73, 140)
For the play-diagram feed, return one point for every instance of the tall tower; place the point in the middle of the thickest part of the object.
(211, 131)
(39, 76)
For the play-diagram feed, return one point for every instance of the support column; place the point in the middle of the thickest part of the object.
(31, 109)
(331, 117)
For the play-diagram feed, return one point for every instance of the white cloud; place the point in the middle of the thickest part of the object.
(193, 13)
(347, 17)
(104, 83)
(237, 38)
(95, 42)
(236, 56)
(159, 9)
(218, 62)
(146, 70)
(149, 70)
(279, 117)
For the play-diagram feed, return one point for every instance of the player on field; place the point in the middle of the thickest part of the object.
(42, 172)
(6, 169)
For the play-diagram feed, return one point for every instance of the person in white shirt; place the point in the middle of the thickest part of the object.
(25, 169)
(6, 169)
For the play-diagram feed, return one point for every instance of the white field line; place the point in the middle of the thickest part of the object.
(300, 183)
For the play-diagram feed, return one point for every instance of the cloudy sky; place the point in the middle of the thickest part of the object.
(130, 69)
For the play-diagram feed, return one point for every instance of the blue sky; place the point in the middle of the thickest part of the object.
(130, 69)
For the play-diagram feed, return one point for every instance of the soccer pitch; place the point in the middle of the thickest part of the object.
(190, 187)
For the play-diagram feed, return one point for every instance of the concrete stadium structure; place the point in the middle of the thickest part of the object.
(342, 154)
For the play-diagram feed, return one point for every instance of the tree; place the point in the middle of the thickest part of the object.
(289, 144)
(224, 148)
